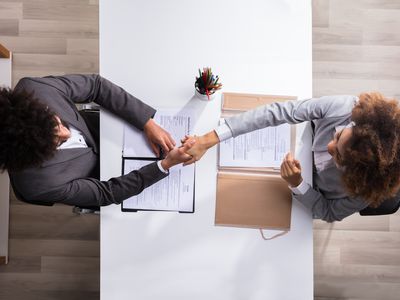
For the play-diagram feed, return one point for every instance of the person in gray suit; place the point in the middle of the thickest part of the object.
(51, 154)
(356, 144)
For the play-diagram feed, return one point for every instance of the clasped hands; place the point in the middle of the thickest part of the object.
(191, 150)
(194, 147)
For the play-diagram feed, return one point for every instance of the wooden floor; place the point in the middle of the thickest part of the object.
(54, 254)
(356, 48)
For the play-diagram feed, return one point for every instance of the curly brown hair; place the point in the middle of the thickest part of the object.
(27, 131)
(371, 159)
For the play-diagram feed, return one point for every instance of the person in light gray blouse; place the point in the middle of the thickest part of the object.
(356, 145)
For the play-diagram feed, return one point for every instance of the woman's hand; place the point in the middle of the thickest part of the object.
(291, 170)
(200, 145)
(177, 156)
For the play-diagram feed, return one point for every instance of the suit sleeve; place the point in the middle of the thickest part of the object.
(94, 88)
(291, 112)
(329, 210)
(93, 192)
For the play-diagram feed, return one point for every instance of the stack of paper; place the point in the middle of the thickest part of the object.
(173, 193)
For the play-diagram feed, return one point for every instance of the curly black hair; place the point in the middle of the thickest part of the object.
(372, 158)
(27, 130)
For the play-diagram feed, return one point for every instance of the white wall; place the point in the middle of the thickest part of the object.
(5, 80)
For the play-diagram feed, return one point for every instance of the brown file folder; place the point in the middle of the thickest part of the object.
(252, 197)
(253, 200)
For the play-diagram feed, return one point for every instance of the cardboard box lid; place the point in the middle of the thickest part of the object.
(253, 201)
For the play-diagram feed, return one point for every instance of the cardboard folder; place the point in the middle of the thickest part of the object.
(253, 201)
(252, 197)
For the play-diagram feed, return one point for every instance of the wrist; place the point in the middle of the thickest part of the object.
(301, 189)
(296, 183)
(166, 164)
(209, 139)
(148, 124)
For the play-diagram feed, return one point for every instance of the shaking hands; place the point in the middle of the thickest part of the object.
(159, 139)
(199, 145)
(194, 147)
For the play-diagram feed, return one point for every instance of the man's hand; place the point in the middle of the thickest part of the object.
(158, 137)
(177, 156)
(200, 145)
(291, 170)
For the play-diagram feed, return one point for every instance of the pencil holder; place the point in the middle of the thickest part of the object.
(206, 85)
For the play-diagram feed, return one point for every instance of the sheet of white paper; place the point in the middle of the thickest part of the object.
(173, 193)
(261, 148)
(177, 123)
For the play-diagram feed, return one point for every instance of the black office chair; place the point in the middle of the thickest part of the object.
(91, 114)
(388, 207)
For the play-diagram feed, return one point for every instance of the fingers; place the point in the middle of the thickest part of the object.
(188, 145)
(187, 137)
(297, 164)
(183, 156)
(190, 159)
(170, 142)
(288, 166)
(164, 147)
(285, 169)
(293, 164)
(155, 148)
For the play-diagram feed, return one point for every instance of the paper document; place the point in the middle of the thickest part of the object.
(177, 123)
(173, 193)
(261, 148)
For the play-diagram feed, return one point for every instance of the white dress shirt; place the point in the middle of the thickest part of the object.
(76, 140)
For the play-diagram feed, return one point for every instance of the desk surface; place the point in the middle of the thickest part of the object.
(153, 49)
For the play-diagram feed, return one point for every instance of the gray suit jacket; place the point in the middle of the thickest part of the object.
(328, 199)
(71, 176)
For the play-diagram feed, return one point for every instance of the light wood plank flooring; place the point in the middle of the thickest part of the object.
(356, 48)
(50, 36)
(55, 254)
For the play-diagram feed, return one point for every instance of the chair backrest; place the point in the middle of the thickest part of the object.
(389, 206)
(92, 119)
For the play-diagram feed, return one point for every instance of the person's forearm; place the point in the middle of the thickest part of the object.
(123, 104)
(93, 87)
(210, 139)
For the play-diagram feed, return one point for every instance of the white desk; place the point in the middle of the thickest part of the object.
(153, 49)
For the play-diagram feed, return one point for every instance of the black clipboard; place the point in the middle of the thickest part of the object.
(153, 159)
